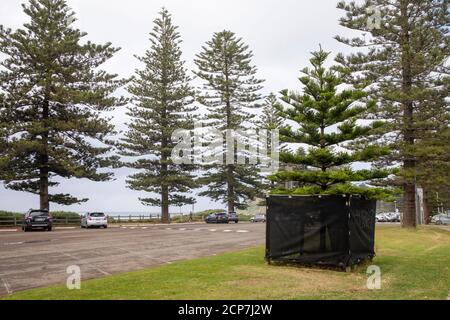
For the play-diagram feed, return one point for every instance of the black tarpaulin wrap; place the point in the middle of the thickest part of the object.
(320, 230)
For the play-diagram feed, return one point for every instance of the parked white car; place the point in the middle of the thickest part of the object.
(258, 218)
(388, 217)
(94, 219)
(381, 217)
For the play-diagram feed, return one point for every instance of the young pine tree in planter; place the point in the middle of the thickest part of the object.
(52, 94)
(163, 98)
(230, 89)
(327, 117)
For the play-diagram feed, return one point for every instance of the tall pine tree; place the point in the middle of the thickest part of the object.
(53, 93)
(270, 118)
(328, 116)
(405, 46)
(433, 167)
(230, 90)
(162, 103)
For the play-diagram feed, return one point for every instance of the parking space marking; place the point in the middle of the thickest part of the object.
(6, 285)
(13, 243)
(182, 229)
(89, 264)
(242, 231)
(227, 230)
(213, 230)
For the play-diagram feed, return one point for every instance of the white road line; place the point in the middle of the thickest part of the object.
(144, 228)
(242, 231)
(168, 228)
(213, 230)
(227, 230)
(7, 287)
(9, 230)
(182, 229)
(13, 243)
(100, 270)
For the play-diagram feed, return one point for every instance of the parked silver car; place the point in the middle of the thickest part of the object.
(94, 219)
(443, 218)
(388, 217)
(258, 218)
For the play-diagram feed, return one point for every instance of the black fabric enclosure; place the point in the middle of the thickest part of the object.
(332, 230)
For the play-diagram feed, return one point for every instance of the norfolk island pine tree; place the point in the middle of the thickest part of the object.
(52, 96)
(402, 61)
(323, 105)
(270, 120)
(230, 87)
(162, 103)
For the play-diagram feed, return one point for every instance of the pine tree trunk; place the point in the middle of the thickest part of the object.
(426, 211)
(409, 206)
(230, 188)
(43, 187)
(230, 168)
(165, 218)
(43, 158)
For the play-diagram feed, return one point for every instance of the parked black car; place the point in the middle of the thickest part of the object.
(217, 218)
(37, 219)
(233, 217)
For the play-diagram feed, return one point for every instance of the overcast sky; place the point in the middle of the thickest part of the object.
(281, 35)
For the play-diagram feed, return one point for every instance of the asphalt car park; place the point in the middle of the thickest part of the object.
(39, 258)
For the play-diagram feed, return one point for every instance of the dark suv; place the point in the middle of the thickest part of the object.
(217, 218)
(35, 219)
(233, 217)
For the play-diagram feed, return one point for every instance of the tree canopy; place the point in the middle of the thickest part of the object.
(329, 127)
(52, 95)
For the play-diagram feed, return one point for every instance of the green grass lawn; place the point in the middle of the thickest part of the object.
(414, 265)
